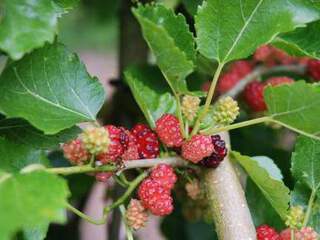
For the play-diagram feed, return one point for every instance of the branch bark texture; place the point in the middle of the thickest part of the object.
(227, 201)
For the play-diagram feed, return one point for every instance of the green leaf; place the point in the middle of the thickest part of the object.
(21, 132)
(295, 106)
(27, 24)
(151, 92)
(192, 5)
(266, 175)
(15, 156)
(229, 30)
(305, 162)
(261, 210)
(67, 4)
(300, 196)
(51, 89)
(31, 199)
(171, 42)
(36, 233)
(302, 41)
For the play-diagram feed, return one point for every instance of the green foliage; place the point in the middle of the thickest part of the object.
(176, 227)
(300, 196)
(229, 30)
(67, 4)
(305, 162)
(295, 106)
(192, 5)
(266, 175)
(36, 233)
(31, 199)
(21, 132)
(15, 156)
(35, 88)
(151, 92)
(26, 25)
(301, 42)
(171, 42)
(261, 210)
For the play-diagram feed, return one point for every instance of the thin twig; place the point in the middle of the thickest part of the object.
(128, 192)
(86, 217)
(139, 163)
(208, 99)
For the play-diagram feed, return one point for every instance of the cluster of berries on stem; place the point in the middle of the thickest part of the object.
(111, 144)
(269, 57)
(155, 191)
(265, 232)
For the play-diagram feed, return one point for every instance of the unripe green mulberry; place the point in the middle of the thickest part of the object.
(295, 217)
(226, 111)
(190, 106)
(96, 140)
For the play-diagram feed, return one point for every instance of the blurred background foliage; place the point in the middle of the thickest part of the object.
(93, 25)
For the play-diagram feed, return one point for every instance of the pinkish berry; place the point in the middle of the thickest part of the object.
(168, 130)
(103, 176)
(131, 153)
(277, 81)
(197, 148)
(124, 137)
(253, 96)
(164, 175)
(115, 149)
(162, 204)
(147, 189)
(147, 141)
(265, 232)
(75, 152)
(306, 233)
(313, 69)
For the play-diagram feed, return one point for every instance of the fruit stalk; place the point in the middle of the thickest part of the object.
(227, 201)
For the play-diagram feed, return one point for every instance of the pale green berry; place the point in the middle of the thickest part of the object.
(190, 106)
(226, 111)
(96, 140)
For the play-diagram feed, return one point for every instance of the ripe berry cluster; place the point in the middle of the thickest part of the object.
(265, 232)
(155, 191)
(209, 151)
(112, 144)
(117, 143)
(267, 56)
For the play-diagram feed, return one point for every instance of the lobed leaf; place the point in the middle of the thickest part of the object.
(31, 199)
(266, 175)
(51, 89)
(171, 42)
(228, 30)
(295, 106)
(150, 92)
